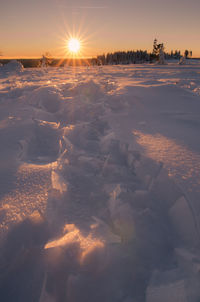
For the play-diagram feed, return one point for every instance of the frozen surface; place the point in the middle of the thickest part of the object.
(100, 183)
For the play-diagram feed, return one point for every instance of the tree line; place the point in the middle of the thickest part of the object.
(111, 58)
(140, 56)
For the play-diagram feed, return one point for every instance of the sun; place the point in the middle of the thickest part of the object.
(74, 45)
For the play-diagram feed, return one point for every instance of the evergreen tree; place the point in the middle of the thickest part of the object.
(155, 47)
(161, 59)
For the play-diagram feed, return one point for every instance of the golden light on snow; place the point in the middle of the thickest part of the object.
(74, 235)
(87, 244)
(178, 159)
(32, 183)
(74, 45)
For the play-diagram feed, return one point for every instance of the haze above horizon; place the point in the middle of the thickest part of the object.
(30, 28)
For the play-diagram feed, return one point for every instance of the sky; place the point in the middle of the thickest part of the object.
(29, 28)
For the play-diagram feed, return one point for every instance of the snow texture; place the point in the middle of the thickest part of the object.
(100, 183)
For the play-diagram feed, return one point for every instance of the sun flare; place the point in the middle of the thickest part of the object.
(74, 45)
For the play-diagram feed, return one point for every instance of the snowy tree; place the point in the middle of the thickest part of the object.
(158, 49)
(43, 61)
(184, 57)
(46, 59)
(161, 59)
(155, 47)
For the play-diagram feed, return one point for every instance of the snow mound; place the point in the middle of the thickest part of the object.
(46, 98)
(87, 91)
(42, 146)
(13, 66)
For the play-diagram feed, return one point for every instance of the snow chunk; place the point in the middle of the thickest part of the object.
(13, 66)
(183, 222)
(45, 296)
(141, 199)
(189, 263)
(121, 215)
(46, 98)
(145, 168)
(167, 292)
(164, 189)
(73, 248)
(43, 145)
(101, 227)
(58, 182)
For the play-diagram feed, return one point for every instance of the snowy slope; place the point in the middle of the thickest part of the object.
(100, 183)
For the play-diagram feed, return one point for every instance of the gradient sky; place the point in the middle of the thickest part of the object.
(30, 28)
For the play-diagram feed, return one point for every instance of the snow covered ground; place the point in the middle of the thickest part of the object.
(100, 183)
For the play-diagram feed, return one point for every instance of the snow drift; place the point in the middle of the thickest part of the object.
(13, 66)
(87, 212)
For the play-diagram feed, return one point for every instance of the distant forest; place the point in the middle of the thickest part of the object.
(133, 57)
(115, 58)
(141, 56)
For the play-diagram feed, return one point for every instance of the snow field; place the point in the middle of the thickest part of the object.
(85, 215)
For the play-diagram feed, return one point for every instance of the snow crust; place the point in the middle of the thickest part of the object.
(100, 183)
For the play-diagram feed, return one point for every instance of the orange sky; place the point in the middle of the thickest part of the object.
(30, 28)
